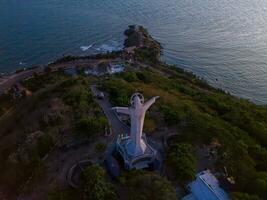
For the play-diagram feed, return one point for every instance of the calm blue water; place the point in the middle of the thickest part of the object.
(223, 41)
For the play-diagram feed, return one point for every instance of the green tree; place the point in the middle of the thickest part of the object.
(130, 77)
(118, 96)
(258, 184)
(243, 196)
(95, 186)
(78, 96)
(142, 185)
(260, 154)
(170, 115)
(182, 162)
(143, 76)
(91, 126)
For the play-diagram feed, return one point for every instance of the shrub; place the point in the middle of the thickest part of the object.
(130, 76)
(258, 131)
(149, 125)
(147, 54)
(182, 161)
(118, 96)
(243, 196)
(142, 185)
(100, 147)
(258, 184)
(78, 97)
(145, 77)
(260, 154)
(95, 186)
(170, 115)
(91, 126)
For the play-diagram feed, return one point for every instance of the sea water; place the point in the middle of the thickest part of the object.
(222, 41)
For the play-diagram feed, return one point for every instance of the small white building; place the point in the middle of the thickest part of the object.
(205, 187)
(114, 68)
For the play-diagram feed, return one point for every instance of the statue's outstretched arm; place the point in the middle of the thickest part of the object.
(123, 110)
(150, 102)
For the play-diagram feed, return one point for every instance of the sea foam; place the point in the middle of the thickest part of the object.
(110, 46)
(85, 48)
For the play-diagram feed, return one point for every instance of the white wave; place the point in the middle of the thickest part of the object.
(113, 46)
(85, 48)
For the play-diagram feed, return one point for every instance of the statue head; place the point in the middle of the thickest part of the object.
(137, 99)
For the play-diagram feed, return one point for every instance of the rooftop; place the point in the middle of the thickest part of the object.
(206, 187)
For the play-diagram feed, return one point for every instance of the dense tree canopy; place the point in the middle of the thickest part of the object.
(201, 113)
(182, 161)
(95, 185)
(243, 196)
(142, 185)
(91, 126)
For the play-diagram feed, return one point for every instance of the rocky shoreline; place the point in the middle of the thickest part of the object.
(137, 40)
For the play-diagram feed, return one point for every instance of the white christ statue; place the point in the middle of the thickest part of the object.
(136, 111)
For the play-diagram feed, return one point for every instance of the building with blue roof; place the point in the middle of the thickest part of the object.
(205, 187)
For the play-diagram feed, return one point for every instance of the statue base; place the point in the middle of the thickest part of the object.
(131, 160)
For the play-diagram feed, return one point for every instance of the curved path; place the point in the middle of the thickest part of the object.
(117, 126)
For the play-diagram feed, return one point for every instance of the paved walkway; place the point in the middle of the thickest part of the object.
(117, 126)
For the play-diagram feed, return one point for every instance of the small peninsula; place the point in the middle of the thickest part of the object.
(60, 124)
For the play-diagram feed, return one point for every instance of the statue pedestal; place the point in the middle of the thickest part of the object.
(135, 160)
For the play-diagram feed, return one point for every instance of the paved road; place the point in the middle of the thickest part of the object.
(117, 126)
(6, 82)
(9, 81)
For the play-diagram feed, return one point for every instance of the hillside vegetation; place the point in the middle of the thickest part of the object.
(60, 110)
(189, 116)
(200, 114)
